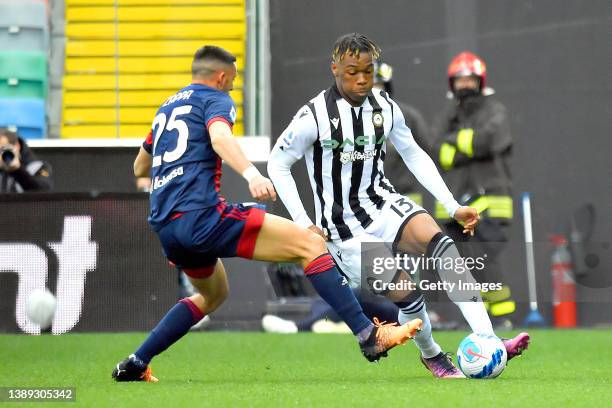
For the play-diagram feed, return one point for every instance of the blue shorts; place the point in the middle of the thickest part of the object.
(194, 240)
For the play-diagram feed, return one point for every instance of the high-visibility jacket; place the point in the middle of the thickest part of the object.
(472, 146)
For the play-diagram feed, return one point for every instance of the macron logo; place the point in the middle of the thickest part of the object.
(335, 122)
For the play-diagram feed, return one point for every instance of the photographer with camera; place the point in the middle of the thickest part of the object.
(20, 170)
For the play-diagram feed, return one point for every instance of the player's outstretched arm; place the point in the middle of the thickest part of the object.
(224, 144)
(142, 164)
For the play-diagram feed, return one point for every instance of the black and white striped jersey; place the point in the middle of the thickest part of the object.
(344, 148)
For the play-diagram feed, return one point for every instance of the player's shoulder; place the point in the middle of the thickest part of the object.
(207, 94)
(316, 100)
(383, 97)
(305, 116)
(308, 110)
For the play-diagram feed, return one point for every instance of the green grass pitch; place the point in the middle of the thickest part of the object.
(561, 369)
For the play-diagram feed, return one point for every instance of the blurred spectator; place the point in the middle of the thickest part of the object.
(472, 146)
(395, 168)
(19, 169)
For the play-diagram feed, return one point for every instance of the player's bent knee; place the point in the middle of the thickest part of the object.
(197, 300)
(312, 245)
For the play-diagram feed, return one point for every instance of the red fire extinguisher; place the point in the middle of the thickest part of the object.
(564, 286)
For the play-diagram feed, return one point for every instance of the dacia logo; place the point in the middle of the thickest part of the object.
(359, 141)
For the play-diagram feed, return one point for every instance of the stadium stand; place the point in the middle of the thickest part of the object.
(23, 26)
(24, 78)
(23, 74)
(123, 62)
(25, 116)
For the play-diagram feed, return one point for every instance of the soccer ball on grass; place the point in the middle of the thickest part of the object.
(481, 356)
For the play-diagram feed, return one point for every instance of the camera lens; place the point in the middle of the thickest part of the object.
(8, 156)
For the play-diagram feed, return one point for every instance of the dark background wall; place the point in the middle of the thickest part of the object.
(549, 62)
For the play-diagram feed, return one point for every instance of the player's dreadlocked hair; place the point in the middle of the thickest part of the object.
(208, 58)
(352, 44)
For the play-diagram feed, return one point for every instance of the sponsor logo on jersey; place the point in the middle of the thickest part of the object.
(232, 114)
(377, 119)
(359, 141)
(286, 141)
(354, 155)
(160, 182)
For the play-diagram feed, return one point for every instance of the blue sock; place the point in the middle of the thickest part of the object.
(328, 283)
(175, 324)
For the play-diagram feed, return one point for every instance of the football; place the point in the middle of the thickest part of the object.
(481, 356)
(40, 308)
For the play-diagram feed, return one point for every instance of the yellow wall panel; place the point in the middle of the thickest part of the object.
(157, 40)
(110, 131)
(127, 98)
(151, 2)
(108, 115)
(127, 48)
(238, 129)
(161, 13)
(237, 96)
(77, 116)
(133, 31)
(127, 82)
(133, 65)
(108, 98)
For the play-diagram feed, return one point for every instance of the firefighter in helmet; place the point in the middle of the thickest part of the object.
(472, 145)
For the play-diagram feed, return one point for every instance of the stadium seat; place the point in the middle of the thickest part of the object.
(24, 115)
(23, 26)
(23, 74)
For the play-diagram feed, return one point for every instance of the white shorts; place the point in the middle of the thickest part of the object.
(387, 223)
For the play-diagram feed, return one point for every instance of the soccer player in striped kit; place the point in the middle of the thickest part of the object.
(191, 134)
(342, 133)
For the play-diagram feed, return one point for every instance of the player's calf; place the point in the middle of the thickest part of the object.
(413, 307)
(212, 290)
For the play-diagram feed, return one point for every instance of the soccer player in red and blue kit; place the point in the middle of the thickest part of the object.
(191, 134)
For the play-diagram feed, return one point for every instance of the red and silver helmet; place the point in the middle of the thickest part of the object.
(467, 64)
